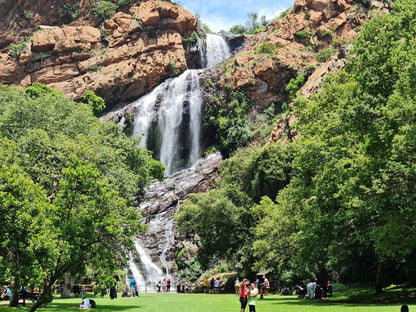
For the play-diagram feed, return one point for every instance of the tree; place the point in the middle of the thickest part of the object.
(92, 225)
(24, 226)
(88, 172)
(238, 29)
(252, 23)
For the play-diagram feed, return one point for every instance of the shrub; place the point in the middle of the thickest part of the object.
(266, 47)
(28, 15)
(192, 39)
(327, 33)
(17, 49)
(103, 10)
(303, 35)
(69, 11)
(97, 103)
(325, 54)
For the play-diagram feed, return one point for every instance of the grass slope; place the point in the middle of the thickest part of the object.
(357, 300)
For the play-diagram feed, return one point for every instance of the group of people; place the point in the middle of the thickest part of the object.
(314, 291)
(164, 285)
(264, 287)
(214, 285)
(248, 295)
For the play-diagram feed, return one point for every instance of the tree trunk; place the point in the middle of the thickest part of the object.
(66, 287)
(379, 278)
(14, 301)
(44, 298)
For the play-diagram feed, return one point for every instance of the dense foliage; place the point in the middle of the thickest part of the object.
(68, 189)
(338, 202)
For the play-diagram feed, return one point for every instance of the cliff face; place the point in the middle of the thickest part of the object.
(296, 44)
(123, 59)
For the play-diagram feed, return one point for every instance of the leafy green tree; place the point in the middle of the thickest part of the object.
(238, 29)
(92, 225)
(24, 208)
(90, 174)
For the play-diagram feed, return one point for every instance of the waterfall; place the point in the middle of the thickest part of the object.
(217, 50)
(168, 120)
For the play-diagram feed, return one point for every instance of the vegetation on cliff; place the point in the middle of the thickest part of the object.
(68, 189)
(339, 201)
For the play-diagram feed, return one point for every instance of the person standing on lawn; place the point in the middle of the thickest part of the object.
(252, 299)
(244, 292)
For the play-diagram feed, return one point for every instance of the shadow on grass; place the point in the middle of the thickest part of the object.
(69, 307)
(360, 299)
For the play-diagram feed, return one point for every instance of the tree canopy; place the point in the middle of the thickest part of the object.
(339, 202)
(69, 183)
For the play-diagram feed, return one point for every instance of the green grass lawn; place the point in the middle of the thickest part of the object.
(357, 300)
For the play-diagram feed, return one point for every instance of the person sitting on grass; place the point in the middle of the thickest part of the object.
(85, 303)
(7, 293)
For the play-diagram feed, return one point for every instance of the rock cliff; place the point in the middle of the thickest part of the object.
(163, 200)
(298, 43)
(120, 59)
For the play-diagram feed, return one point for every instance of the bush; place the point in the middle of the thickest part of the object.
(192, 39)
(17, 49)
(303, 35)
(266, 47)
(97, 103)
(325, 54)
(103, 10)
(69, 11)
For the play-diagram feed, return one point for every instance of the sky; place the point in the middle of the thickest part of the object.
(223, 14)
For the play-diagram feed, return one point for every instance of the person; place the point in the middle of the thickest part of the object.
(125, 292)
(217, 285)
(252, 300)
(285, 291)
(76, 290)
(85, 303)
(404, 308)
(328, 290)
(310, 288)
(244, 291)
(133, 287)
(7, 293)
(205, 285)
(211, 286)
(168, 285)
(257, 283)
(186, 287)
(265, 287)
(164, 286)
(113, 291)
(159, 285)
(237, 286)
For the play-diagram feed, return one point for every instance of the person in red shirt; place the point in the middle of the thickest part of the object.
(244, 291)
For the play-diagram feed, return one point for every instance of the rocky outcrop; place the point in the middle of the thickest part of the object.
(164, 199)
(293, 45)
(129, 55)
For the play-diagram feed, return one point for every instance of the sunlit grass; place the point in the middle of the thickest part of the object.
(357, 300)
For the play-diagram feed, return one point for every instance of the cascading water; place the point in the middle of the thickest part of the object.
(217, 50)
(168, 120)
